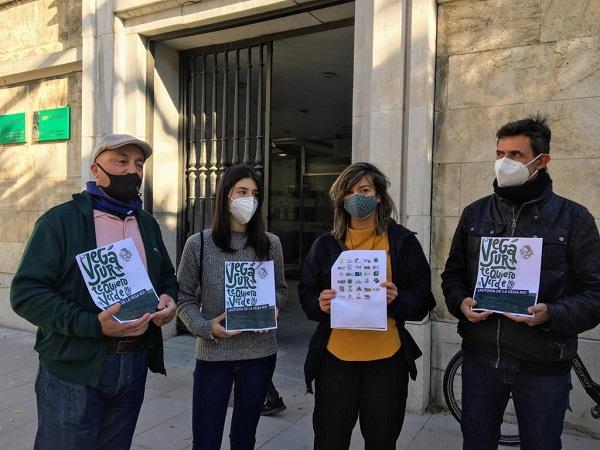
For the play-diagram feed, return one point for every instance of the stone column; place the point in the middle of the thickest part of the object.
(113, 78)
(97, 87)
(394, 65)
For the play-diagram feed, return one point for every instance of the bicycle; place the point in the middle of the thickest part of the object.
(509, 433)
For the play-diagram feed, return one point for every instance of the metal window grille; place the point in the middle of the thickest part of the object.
(226, 122)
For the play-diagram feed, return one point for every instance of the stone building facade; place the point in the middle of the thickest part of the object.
(40, 68)
(496, 61)
(432, 81)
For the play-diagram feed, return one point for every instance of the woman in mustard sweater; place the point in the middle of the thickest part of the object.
(363, 373)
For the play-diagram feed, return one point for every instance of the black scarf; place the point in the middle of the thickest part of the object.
(526, 192)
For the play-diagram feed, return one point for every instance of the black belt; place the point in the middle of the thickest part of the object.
(124, 344)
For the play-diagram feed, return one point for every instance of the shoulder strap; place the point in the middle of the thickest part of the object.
(201, 254)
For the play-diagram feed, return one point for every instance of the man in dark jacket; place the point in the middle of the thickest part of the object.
(505, 354)
(92, 372)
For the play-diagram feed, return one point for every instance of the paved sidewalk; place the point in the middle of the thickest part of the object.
(165, 420)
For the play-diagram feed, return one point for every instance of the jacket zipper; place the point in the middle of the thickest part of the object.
(512, 234)
(515, 218)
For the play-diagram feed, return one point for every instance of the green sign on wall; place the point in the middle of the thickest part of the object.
(12, 128)
(52, 124)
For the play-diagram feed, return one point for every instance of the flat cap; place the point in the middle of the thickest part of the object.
(112, 141)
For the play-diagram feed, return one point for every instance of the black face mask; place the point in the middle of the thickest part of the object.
(124, 188)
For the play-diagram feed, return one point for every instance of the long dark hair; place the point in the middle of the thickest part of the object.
(221, 225)
(386, 210)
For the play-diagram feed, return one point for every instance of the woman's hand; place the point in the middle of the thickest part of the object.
(325, 298)
(276, 316)
(218, 330)
(391, 291)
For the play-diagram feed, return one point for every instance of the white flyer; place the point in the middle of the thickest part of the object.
(360, 302)
(508, 278)
(250, 296)
(114, 273)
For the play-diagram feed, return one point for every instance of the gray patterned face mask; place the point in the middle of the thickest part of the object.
(360, 206)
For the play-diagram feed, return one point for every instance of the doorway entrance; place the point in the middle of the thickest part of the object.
(282, 106)
(311, 135)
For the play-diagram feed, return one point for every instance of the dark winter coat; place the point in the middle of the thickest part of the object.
(49, 291)
(410, 273)
(569, 282)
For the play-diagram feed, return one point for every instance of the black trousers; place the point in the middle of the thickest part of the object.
(372, 391)
(272, 394)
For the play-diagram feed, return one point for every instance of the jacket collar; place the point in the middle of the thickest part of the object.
(543, 179)
(546, 193)
(84, 202)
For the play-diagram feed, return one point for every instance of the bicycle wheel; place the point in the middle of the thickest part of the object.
(509, 431)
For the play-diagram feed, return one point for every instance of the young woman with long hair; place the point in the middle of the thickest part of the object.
(244, 360)
(363, 374)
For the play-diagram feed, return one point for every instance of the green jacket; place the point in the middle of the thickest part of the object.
(48, 291)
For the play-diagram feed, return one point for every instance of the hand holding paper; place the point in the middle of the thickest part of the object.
(473, 316)
(540, 312)
(391, 291)
(325, 300)
(218, 330)
(111, 327)
(166, 310)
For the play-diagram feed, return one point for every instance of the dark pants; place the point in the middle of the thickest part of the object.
(374, 391)
(212, 387)
(540, 405)
(77, 417)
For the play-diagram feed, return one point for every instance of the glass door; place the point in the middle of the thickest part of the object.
(302, 173)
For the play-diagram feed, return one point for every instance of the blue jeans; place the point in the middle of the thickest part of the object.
(76, 417)
(213, 381)
(540, 404)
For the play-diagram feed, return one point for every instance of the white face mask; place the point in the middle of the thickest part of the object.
(243, 208)
(513, 173)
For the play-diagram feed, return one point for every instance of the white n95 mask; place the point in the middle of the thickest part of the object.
(243, 208)
(513, 173)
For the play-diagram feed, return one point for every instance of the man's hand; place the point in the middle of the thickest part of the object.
(540, 313)
(218, 330)
(167, 307)
(111, 327)
(391, 291)
(325, 298)
(473, 316)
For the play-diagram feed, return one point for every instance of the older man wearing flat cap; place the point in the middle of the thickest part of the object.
(92, 368)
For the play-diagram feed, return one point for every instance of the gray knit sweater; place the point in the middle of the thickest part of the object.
(198, 304)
